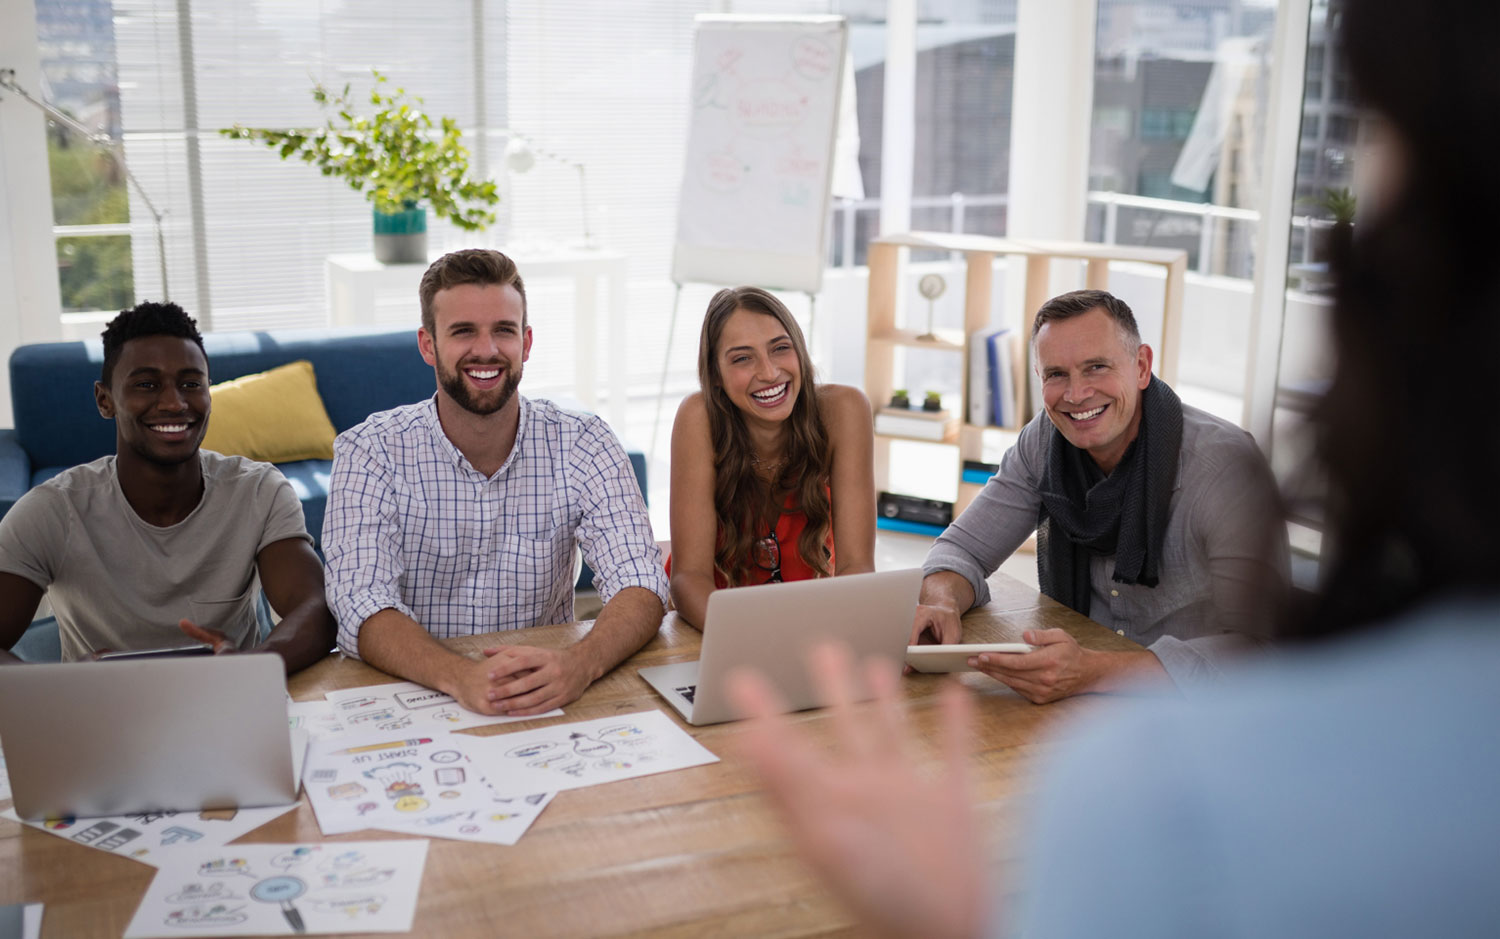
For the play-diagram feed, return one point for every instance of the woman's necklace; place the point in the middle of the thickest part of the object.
(770, 467)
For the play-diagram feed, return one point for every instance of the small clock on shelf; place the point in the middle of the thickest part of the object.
(931, 286)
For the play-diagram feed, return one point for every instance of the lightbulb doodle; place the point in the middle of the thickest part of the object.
(423, 784)
(288, 890)
(586, 753)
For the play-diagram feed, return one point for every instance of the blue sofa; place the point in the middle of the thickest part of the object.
(359, 372)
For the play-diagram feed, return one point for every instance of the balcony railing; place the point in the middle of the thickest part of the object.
(848, 245)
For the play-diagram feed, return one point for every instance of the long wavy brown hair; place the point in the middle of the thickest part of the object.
(746, 506)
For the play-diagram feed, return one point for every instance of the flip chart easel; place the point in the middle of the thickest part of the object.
(753, 208)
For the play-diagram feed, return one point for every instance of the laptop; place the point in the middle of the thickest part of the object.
(147, 735)
(773, 627)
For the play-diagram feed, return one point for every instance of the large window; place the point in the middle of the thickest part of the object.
(1333, 132)
(1179, 99)
(961, 158)
(89, 204)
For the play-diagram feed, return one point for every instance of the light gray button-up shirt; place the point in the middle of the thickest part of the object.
(1224, 550)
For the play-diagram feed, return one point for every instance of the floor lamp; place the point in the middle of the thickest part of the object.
(8, 82)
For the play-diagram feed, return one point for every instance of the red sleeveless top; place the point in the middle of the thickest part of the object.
(789, 528)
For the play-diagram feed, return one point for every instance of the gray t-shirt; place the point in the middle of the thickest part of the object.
(117, 582)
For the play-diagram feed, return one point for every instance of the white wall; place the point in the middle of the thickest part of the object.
(29, 293)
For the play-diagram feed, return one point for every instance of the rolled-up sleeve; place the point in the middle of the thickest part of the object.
(999, 520)
(361, 541)
(614, 530)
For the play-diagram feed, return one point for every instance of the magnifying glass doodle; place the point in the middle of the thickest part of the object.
(282, 889)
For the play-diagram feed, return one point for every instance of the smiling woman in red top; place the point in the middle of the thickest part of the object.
(770, 470)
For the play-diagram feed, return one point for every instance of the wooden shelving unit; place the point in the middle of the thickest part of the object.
(980, 252)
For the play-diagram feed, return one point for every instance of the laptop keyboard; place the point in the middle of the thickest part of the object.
(687, 691)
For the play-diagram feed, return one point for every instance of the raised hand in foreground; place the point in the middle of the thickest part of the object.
(899, 846)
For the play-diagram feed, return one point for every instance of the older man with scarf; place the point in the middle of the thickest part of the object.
(1153, 518)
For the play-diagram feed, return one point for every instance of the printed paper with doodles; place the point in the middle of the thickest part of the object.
(587, 753)
(408, 707)
(423, 785)
(284, 889)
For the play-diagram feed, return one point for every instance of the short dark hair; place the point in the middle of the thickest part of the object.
(141, 320)
(1078, 302)
(483, 266)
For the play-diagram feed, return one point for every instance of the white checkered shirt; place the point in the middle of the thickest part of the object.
(411, 526)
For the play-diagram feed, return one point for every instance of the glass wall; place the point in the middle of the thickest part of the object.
(1179, 104)
(961, 158)
(1329, 149)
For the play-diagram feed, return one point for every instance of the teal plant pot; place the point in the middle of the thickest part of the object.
(401, 237)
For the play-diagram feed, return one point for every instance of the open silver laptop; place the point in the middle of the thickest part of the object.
(773, 627)
(167, 734)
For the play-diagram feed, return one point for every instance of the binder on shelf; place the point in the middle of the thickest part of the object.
(1000, 350)
(981, 413)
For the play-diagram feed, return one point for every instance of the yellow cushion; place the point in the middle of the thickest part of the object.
(275, 416)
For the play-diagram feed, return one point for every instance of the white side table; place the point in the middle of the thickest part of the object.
(354, 282)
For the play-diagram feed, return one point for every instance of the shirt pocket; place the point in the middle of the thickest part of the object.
(232, 616)
(438, 534)
(532, 579)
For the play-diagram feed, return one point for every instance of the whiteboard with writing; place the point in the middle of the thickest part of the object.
(765, 104)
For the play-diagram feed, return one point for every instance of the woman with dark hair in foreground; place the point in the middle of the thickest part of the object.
(1348, 790)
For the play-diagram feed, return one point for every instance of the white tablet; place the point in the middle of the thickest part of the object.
(955, 658)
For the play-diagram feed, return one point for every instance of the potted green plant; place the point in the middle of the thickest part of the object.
(394, 157)
(1338, 206)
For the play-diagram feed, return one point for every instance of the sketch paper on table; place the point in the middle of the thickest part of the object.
(409, 707)
(153, 837)
(502, 821)
(316, 717)
(424, 785)
(587, 753)
(284, 889)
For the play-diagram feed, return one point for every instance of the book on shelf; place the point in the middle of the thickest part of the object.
(1002, 378)
(915, 422)
(981, 413)
(992, 391)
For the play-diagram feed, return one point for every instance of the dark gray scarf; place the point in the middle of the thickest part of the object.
(1085, 513)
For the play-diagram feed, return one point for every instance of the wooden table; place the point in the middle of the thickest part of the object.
(689, 853)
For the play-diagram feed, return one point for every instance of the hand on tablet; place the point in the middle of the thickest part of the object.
(935, 625)
(1058, 668)
(956, 658)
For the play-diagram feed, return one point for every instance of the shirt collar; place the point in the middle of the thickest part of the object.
(456, 456)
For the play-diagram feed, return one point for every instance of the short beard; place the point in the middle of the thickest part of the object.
(452, 381)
